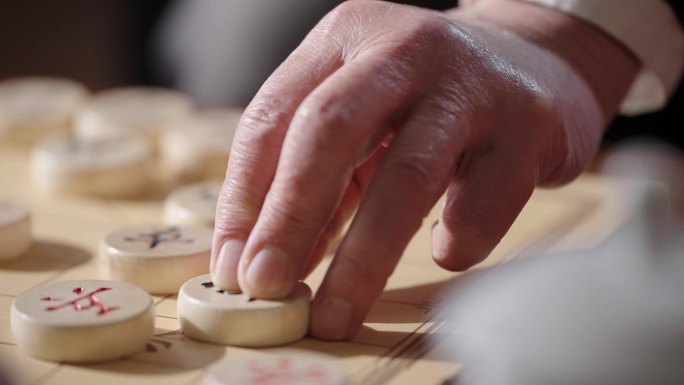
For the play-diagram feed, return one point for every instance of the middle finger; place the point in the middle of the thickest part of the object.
(333, 130)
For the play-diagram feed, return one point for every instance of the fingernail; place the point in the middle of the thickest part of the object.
(224, 272)
(332, 319)
(267, 274)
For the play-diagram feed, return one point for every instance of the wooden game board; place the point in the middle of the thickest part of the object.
(392, 348)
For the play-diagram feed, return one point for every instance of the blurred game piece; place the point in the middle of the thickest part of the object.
(15, 230)
(651, 160)
(209, 314)
(157, 258)
(127, 111)
(82, 321)
(33, 107)
(107, 168)
(193, 204)
(198, 147)
(609, 315)
(292, 368)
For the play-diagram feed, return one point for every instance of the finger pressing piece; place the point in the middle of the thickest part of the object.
(255, 152)
(320, 152)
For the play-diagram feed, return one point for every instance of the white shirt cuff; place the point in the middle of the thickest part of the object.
(650, 29)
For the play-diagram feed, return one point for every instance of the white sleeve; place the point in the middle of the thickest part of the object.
(650, 29)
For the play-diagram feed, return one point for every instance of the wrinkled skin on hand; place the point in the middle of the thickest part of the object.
(380, 111)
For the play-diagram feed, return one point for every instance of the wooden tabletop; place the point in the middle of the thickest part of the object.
(392, 348)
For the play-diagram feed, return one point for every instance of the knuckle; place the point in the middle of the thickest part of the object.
(235, 213)
(324, 112)
(231, 229)
(340, 18)
(262, 118)
(412, 170)
(293, 214)
(424, 34)
(468, 220)
(433, 28)
(240, 200)
(360, 272)
(345, 10)
(231, 226)
(484, 218)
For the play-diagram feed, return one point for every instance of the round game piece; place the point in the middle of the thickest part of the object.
(15, 230)
(109, 168)
(131, 111)
(157, 258)
(294, 368)
(32, 107)
(198, 148)
(82, 321)
(212, 315)
(193, 204)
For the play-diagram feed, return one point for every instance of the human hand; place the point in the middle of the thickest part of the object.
(383, 108)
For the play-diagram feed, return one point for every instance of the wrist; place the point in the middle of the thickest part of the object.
(606, 65)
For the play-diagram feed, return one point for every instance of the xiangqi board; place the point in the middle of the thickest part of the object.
(394, 346)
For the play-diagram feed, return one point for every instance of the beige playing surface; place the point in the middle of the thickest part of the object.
(392, 348)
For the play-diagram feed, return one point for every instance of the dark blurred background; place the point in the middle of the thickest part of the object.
(108, 43)
(101, 43)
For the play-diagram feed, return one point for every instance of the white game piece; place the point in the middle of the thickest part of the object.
(82, 321)
(32, 107)
(157, 258)
(112, 168)
(292, 368)
(198, 148)
(212, 315)
(15, 230)
(131, 111)
(193, 204)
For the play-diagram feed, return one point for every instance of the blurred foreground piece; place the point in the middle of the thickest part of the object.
(612, 315)
(293, 368)
(652, 160)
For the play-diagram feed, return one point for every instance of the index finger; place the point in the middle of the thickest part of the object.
(256, 148)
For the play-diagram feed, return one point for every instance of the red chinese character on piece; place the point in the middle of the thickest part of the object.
(77, 304)
(283, 372)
